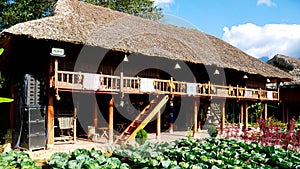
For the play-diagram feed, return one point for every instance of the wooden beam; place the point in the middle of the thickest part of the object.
(195, 118)
(241, 113)
(266, 111)
(283, 112)
(50, 107)
(55, 73)
(246, 116)
(11, 107)
(95, 120)
(287, 113)
(223, 118)
(158, 124)
(110, 121)
(74, 124)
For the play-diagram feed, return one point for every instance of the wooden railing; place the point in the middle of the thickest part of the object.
(110, 83)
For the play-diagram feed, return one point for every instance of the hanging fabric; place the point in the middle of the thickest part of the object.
(191, 89)
(91, 81)
(147, 85)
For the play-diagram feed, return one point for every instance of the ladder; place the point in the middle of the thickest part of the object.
(215, 108)
(142, 119)
(213, 117)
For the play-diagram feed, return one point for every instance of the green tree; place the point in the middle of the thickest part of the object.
(256, 109)
(142, 8)
(16, 11)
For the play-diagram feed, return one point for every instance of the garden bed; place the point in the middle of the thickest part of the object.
(182, 153)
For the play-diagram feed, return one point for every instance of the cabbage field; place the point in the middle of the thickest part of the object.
(184, 153)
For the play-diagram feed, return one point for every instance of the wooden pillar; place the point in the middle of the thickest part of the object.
(241, 113)
(158, 128)
(95, 115)
(11, 107)
(266, 111)
(287, 113)
(283, 112)
(246, 116)
(50, 107)
(74, 124)
(50, 123)
(110, 121)
(223, 117)
(195, 118)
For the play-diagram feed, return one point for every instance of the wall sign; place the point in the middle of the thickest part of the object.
(58, 52)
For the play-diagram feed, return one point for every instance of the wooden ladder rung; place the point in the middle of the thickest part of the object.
(133, 126)
(138, 120)
(127, 133)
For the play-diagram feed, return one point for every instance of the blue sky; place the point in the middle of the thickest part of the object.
(258, 27)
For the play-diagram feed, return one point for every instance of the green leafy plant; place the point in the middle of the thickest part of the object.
(256, 109)
(14, 159)
(210, 152)
(190, 132)
(141, 137)
(86, 159)
(212, 131)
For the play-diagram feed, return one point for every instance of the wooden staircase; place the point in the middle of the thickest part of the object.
(213, 117)
(142, 119)
(216, 110)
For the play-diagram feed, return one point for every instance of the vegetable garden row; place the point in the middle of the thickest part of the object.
(185, 153)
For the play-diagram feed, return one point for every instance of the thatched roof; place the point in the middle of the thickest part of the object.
(288, 64)
(82, 23)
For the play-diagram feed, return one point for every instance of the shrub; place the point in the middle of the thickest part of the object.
(141, 136)
(212, 131)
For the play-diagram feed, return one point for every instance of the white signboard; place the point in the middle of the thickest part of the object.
(58, 52)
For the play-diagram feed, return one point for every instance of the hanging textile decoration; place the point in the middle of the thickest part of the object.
(91, 81)
(191, 89)
(147, 85)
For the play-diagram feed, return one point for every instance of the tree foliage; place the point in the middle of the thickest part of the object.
(142, 8)
(257, 109)
(16, 11)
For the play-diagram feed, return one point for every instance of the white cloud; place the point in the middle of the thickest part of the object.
(266, 2)
(163, 1)
(266, 40)
(164, 4)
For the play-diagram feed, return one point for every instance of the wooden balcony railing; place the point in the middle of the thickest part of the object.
(110, 83)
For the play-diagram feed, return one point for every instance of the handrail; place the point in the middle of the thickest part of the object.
(124, 84)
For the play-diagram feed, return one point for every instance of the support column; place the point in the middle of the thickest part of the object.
(223, 117)
(11, 107)
(246, 116)
(266, 111)
(195, 118)
(110, 121)
(158, 124)
(283, 112)
(171, 117)
(287, 113)
(96, 115)
(241, 113)
(50, 106)
(75, 124)
(50, 123)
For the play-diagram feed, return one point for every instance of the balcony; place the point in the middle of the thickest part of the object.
(66, 80)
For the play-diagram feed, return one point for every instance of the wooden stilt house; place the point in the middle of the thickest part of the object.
(290, 91)
(92, 66)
